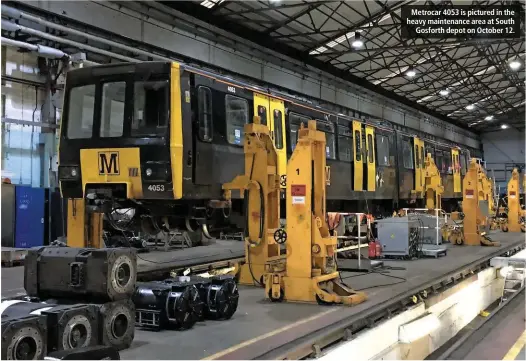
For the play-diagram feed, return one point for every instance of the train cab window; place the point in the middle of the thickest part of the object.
(358, 145)
(204, 115)
(112, 113)
(382, 150)
(439, 161)
(150, 108)
(446, 163)
(407, 155)
(370, 150)
(345, 147)
(295, 121)
(262, 112)
(463, 164)
(328, 129)
(278, 129)
(417, 157)
(236, 117)
(430, 150)
(80, 114)
(422, 157)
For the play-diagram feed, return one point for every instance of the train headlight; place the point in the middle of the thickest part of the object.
(68, 172)
(149, 172)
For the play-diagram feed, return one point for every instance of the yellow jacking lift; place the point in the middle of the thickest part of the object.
(260, 184)
(433, 187)
(84, 227)
(309, 272)
(476, 209)
(515, 220)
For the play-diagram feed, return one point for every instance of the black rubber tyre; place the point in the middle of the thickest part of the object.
(280, 298)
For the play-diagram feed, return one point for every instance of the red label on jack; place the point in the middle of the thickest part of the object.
(298, 190)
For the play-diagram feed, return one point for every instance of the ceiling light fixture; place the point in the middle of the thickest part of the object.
(504, 126)
(357, 43)
(515, 64)
(470, 107)
(489, 117)
(410, 72)
(444, 92)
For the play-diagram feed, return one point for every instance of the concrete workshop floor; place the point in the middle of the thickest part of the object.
(259, 326)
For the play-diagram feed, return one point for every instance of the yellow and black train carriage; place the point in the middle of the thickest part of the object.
(161, 138)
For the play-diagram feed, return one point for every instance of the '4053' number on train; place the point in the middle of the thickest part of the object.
(156, 188)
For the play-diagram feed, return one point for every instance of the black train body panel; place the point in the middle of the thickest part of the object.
(24, 337)
(95, 275)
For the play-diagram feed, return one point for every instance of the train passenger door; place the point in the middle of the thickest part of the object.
(370, 159)
(203, 137)
(358, 163)
(417, 164)
(422, 164)
(455, 161)
(272, 114)
(261, 108)
(277, 126)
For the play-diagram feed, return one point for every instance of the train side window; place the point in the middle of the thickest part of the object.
(430, 150)
(328, 129)
(204, 99)
(370, 150)
(236, 117)
(150, 108)
(81, 110)
(407, 155)
(278, 129)
(112, 114)
(262, 112)
(422, 157)
(417, 157)
(439, 161)
(358, 145)
(463, 164)
(382, 150)
(446, 162)
(345, 147)
(295, 121)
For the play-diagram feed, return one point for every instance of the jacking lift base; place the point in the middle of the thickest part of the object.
(326, 289)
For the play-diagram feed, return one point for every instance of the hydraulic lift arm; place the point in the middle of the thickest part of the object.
(475, 209)
(433, 184)
(515, 214)
(260, 188)
(84, 228)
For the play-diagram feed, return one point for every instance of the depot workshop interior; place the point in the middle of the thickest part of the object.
(260, 180)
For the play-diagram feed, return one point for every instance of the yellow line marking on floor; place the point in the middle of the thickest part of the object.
(267, 335)
(516, 348)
